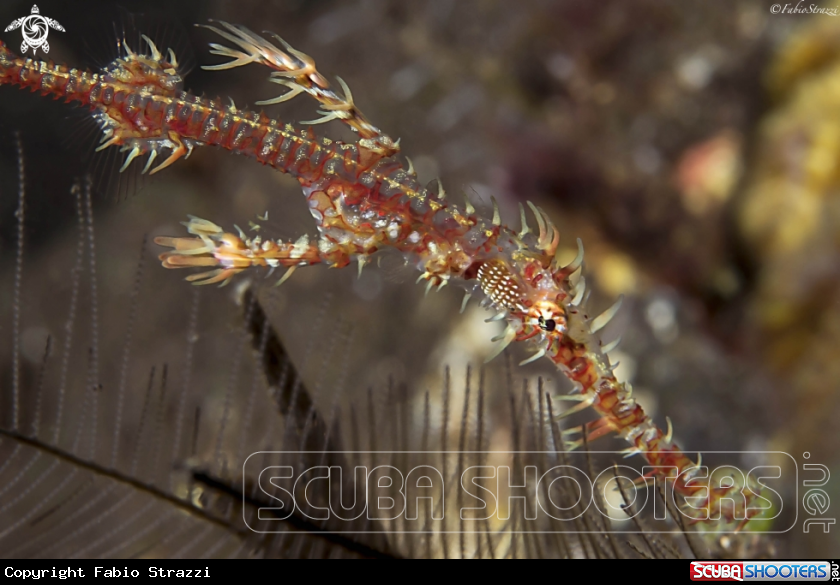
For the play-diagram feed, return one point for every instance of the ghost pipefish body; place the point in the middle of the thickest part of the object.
(363, 198)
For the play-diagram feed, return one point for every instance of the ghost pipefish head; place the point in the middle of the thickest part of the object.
(550, 317)
(534, 296)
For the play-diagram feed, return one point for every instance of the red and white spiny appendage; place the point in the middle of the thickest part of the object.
(363, 198)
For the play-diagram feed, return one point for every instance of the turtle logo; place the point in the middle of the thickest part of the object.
(35, 29)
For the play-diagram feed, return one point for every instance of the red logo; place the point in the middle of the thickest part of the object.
(716, 571)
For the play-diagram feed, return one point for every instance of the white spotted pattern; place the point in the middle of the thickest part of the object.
(497, 284)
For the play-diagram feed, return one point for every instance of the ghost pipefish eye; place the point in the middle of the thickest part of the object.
(547, 324)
